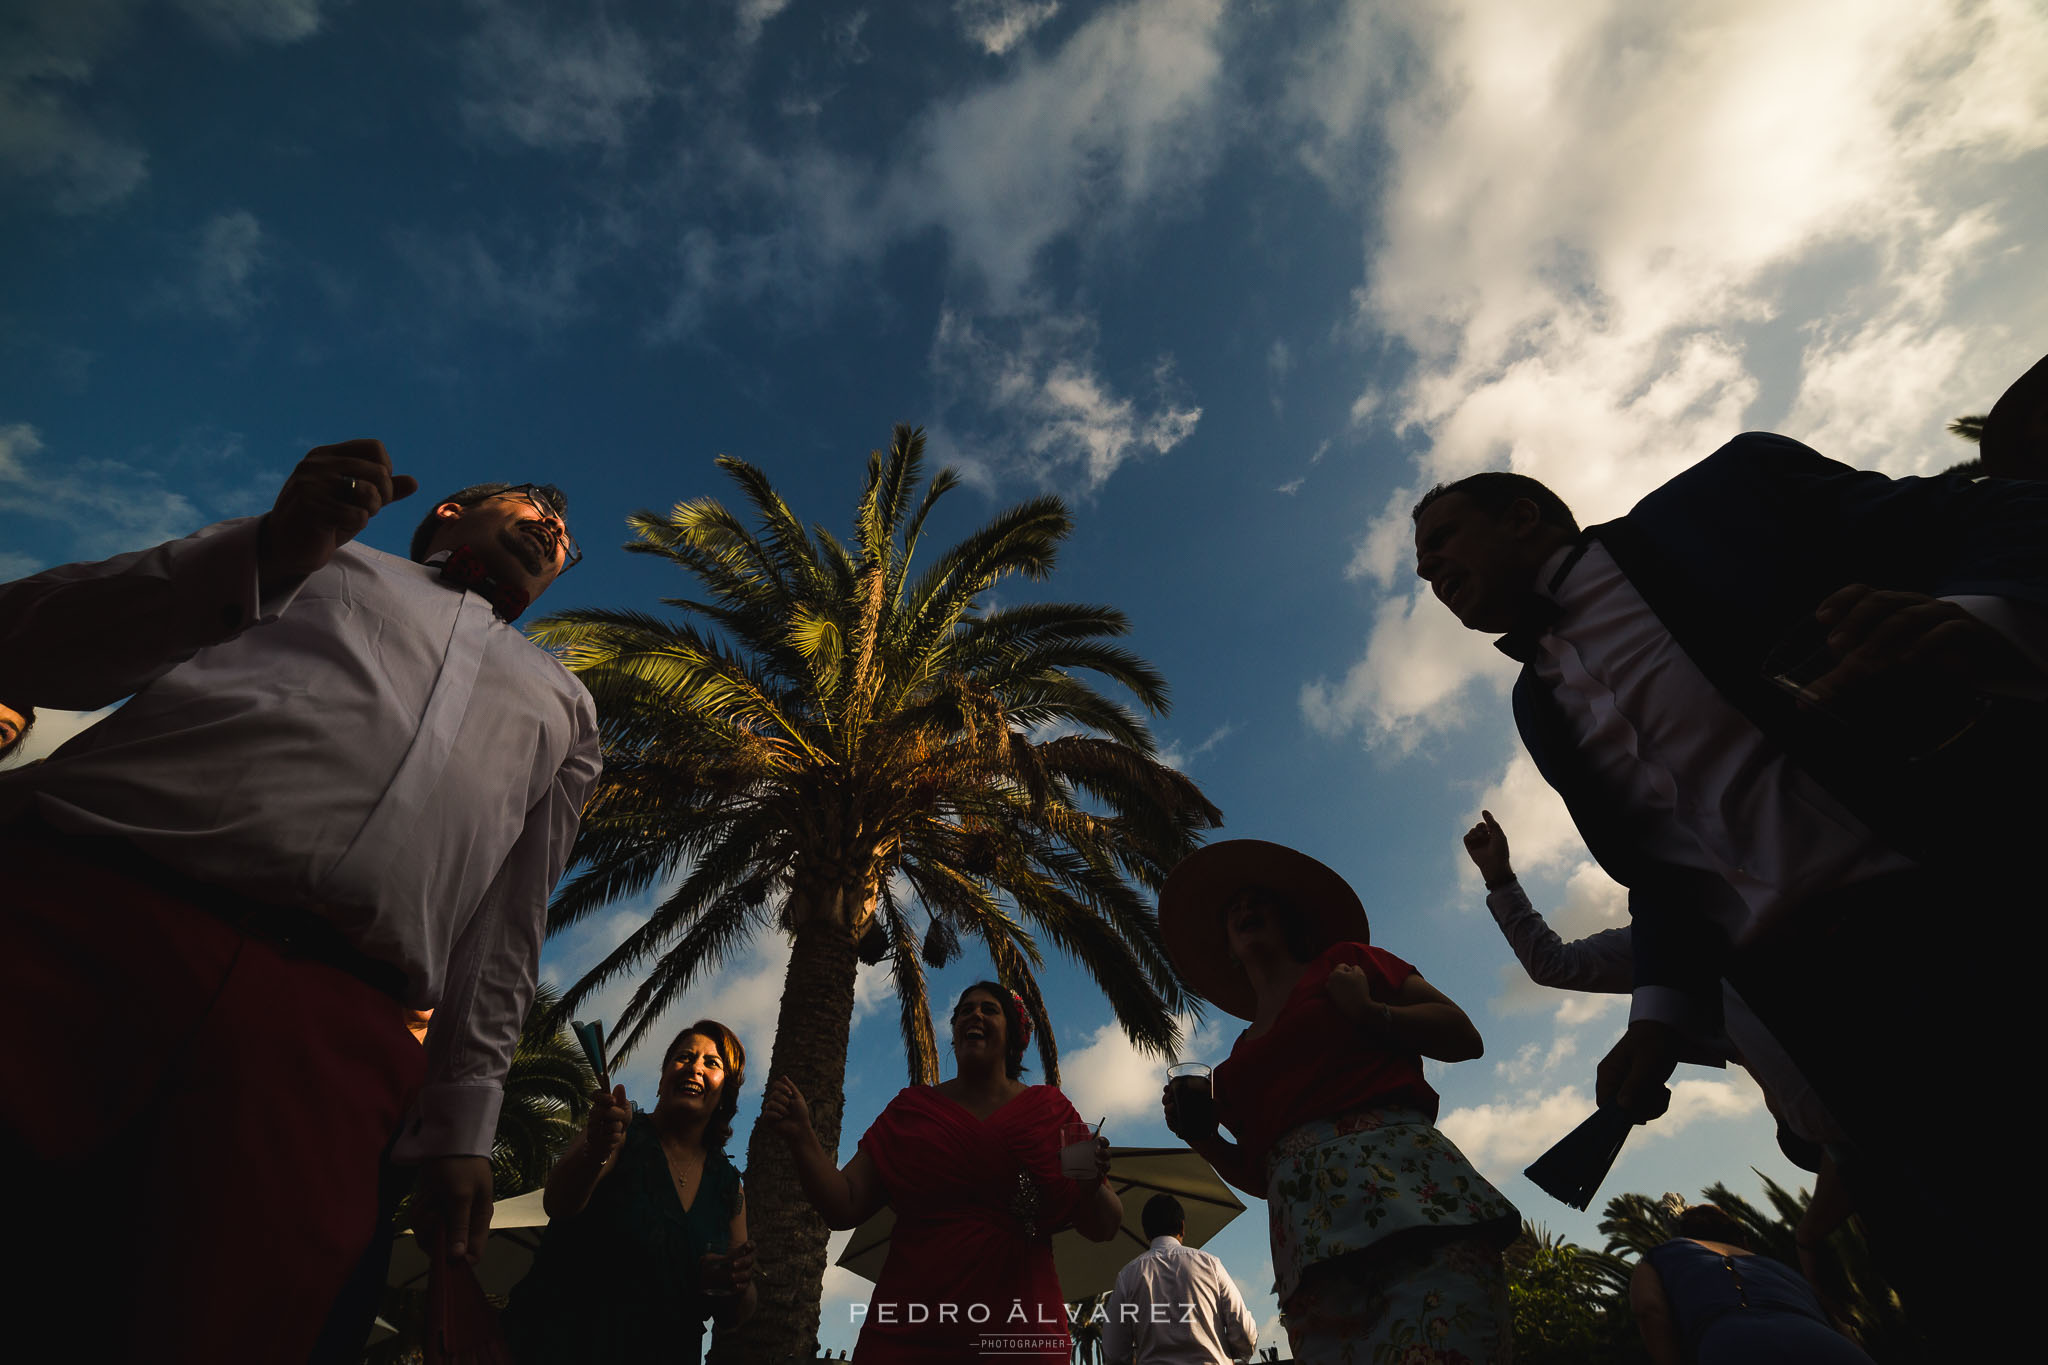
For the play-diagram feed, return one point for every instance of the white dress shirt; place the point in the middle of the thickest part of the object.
(1711, 792)
(1604, 963)
(1176, 1305)
(372, 745)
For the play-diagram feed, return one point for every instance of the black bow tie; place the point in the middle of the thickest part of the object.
(1539, 612)
(463, 568)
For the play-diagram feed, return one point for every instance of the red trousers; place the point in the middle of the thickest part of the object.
(194, 1119)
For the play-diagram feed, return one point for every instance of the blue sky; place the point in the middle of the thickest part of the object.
(1238, 279)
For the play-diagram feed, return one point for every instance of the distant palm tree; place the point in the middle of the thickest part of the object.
(1634, 1224)
(547, 1094)
(1087, 1328)
(1568, 1303)
(836, 744)
(1850, 1282)
(1969, 429)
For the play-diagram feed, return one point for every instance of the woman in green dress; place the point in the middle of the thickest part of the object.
(647, 1230)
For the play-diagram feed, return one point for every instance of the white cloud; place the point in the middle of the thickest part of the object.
(1541, 837)
(270, 21)
(752, 16)
(1120, 124)
(109, 505)
(18, 441)
(47, 67)
(1593, 902)
(1695, 1098)
(1108, 1075)
(1515, 1131)
(1028, 388)
(554, 85)
(1417, 665)
(1519, 1130)
(1583, 1007)
(517, 285)
(842, 1286)
(1291, 487)
(231, 251)
(1179, 758)
(1124, 117)
(996, 26)
(1123, 120)
(1614, 236)
(844, 35)
(46, 71)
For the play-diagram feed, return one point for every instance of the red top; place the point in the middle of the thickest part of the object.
(976, 1203)
(1314, 1063)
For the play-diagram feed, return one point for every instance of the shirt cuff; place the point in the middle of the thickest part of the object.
(2026, 627)
(224, 584)
(450, 1120)
(1663, 1005)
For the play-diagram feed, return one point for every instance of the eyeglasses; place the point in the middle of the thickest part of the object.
(557, 528)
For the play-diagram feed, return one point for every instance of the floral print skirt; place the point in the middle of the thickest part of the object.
(1386, 1243)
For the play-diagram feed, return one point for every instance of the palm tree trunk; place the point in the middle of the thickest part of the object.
(812, 1027)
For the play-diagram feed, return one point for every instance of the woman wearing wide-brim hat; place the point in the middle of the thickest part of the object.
(1383, 1233)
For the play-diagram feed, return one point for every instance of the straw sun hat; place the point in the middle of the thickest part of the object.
(1191, 911)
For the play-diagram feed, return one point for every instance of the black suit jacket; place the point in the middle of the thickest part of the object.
(1732, 556)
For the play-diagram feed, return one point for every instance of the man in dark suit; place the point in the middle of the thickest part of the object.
(1801, 778)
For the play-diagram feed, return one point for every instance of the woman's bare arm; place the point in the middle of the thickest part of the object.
(1416, 1017)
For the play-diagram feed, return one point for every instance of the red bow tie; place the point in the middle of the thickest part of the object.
(463, 568)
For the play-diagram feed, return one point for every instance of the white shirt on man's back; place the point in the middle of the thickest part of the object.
(1176, 1305)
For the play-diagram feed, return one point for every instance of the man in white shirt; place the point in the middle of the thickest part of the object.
(343, 786)
(1175, 1304)
(1796, 774)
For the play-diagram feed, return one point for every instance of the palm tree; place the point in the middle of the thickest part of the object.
(876, 765)
(1969, 428)
(547, 1093)
(1087, 1319)
(1569, 1304)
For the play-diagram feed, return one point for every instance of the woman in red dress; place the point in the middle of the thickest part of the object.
(971, 1167)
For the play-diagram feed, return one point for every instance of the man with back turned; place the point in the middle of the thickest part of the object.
(1175, 1305)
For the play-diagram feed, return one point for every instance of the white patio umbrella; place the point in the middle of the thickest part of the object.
(516, 1226)
(1087, 1268)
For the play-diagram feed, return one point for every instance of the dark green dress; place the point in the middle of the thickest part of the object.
(618, 1281)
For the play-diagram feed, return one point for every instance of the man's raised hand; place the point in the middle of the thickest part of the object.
(1631, 1076)
(328, 500)
(1486, 844)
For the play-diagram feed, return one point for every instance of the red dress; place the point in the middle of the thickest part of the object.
(970, 1268)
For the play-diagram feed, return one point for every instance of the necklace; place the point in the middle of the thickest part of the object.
(684, 1167)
